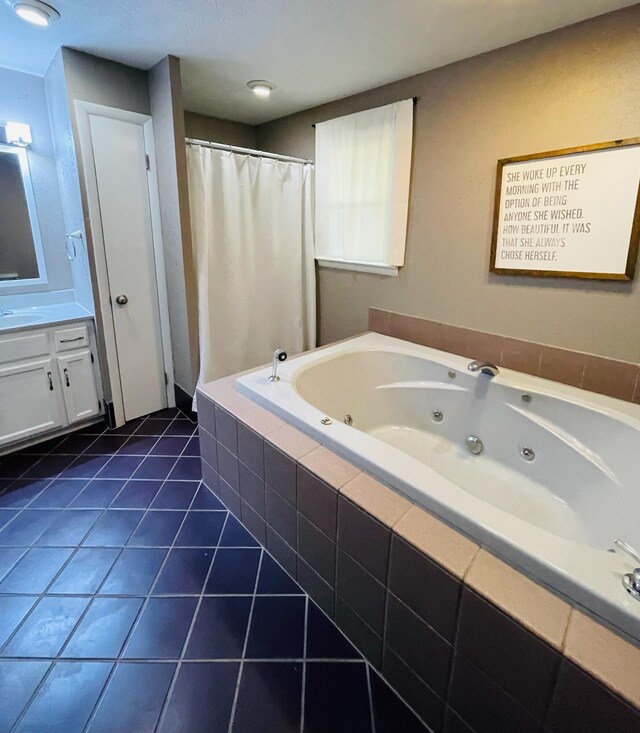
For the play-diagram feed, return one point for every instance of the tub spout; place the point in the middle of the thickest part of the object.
(278, 356)
(486, 367)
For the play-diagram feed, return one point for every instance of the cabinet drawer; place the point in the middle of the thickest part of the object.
(19, 346)
(70, 338)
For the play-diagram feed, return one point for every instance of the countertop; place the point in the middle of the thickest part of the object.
(23, 319)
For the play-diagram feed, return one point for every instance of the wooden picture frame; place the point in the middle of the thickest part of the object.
(613, 202)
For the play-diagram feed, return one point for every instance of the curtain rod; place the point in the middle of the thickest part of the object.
(415, 101)
(245, 151)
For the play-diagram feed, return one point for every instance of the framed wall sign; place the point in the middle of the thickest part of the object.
(569, 213)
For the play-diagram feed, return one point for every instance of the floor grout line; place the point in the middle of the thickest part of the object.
(145, 603)
(144, 599)
(371, 715)
(176, 672)
(55, 659)
(304, 663)
(236, 694)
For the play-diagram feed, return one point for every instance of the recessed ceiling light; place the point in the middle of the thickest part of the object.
(260, 87)
(34, 11)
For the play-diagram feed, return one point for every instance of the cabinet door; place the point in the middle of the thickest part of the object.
(30, 401)
(78, 385)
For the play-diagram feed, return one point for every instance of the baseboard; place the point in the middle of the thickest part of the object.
(184, 402)
(109, 414)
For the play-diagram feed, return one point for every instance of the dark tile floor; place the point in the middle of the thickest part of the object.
(132, 601)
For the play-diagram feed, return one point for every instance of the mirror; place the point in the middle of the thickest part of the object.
(21, 255)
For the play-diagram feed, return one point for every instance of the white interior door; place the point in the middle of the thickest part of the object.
(120, 161)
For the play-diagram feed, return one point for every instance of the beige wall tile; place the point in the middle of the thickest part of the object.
(379, 321)
(217, 389)
(609, 377)
(636, 394)
(407, 328)
(529, 603)
(329, 467)
(261, 420)
(224, 393)
(455, 340)
(292, 441)
(521, 356)
(604, 655)
(484, 346)
(562, 365)
(386, 505)
(437, 540)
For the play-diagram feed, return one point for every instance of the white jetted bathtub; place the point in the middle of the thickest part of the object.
(557, 480)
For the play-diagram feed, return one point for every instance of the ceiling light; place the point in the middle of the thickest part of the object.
(34, 11)
(260, 87)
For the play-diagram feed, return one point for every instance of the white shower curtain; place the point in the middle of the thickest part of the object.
(252, 232)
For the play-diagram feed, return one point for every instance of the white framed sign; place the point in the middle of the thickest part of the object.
(569, 213)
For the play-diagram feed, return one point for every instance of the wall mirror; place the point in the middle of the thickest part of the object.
(21, 254)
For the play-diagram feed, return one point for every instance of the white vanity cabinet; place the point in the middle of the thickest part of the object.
(29, 402)
(47, 381)
(78, 385)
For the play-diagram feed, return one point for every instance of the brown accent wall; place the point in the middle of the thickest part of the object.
(203, 127)
(574, 86)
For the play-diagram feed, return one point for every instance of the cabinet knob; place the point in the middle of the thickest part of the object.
(122, 299)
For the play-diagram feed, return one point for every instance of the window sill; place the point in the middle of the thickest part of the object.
(370, 267)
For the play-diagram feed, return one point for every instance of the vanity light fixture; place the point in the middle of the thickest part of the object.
(261, 88)
(18, 133)
(34, 11)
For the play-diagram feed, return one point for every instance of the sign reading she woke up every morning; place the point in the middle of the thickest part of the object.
(569, 213)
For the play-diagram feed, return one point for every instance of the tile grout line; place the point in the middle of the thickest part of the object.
(45, 594)
(234, 704)
(181, 660)
(370, 694)
(304, 663)
(162, 595)
(143, 605)
(176, 672)
(160, 569)
(97, 436)
(56, 659)
(200, 660)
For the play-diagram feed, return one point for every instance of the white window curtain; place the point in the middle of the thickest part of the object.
(363, 169)
(252, 233)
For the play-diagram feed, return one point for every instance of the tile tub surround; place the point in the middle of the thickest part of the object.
(609, 377)
(468, 641)
(140, 605)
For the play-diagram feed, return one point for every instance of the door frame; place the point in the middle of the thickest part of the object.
(103, 302)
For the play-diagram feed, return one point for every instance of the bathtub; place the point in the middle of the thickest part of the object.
(557, 479)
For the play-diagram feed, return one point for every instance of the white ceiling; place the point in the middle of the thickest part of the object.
(314, 50)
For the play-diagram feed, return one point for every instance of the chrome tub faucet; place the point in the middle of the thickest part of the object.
(486, 367)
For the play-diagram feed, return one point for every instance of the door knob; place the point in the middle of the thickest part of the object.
(122, 299)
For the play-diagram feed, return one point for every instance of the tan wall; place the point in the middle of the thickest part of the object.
(571, 87)
(202, 127)
(165, 90)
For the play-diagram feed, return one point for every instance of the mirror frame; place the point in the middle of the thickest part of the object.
(23, 159)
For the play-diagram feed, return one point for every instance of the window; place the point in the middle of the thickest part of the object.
(363, 167)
